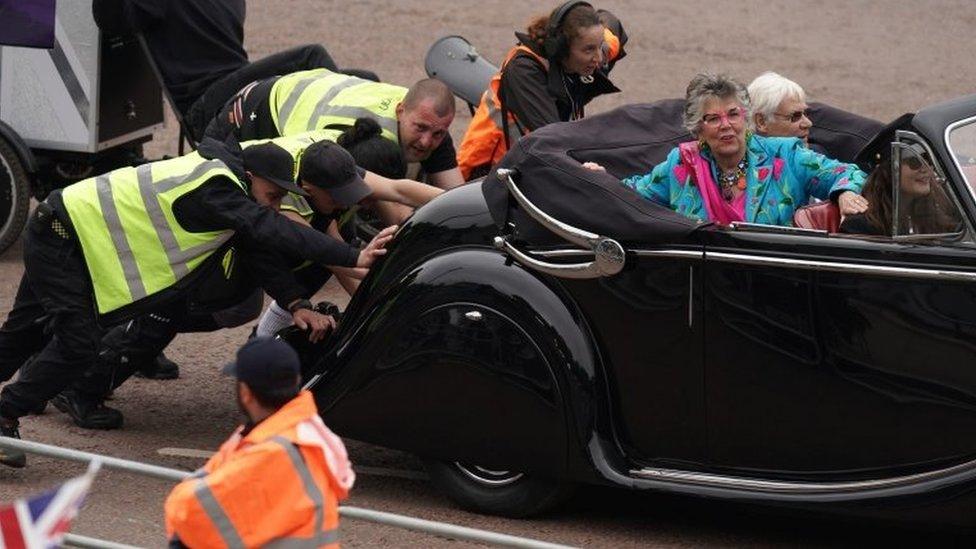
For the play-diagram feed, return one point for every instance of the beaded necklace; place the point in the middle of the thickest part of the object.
(733, 179)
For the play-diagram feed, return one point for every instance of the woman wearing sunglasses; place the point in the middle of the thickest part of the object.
(729, 174)
(923, 205)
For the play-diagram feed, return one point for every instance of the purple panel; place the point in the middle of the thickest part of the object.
(27, 23)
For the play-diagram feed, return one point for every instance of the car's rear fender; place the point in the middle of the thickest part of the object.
(467, 356)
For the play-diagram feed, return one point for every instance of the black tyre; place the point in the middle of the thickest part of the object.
(491, 492)
(14, 196)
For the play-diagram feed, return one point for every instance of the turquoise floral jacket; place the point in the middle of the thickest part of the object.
(782, 176)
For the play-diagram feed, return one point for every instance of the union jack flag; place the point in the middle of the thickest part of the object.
(41, 521)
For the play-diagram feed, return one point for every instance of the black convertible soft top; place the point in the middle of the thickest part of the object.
(626, 141)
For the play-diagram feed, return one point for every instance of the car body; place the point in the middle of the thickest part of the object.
(544, 324)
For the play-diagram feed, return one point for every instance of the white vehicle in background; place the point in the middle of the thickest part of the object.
(73, 103)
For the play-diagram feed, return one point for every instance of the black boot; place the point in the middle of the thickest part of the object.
(87, 413)
(10, 456)
(159, 368)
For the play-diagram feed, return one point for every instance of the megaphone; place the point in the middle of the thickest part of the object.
(454, 61)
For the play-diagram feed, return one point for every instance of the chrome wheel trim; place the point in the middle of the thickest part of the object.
(488, 477)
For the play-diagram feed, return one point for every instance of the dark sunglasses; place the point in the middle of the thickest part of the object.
(915, 162)
(794, 116)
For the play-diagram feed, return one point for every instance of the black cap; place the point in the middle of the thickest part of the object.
(329, 166)
(266, 363)
(273, 163)
(879, 148)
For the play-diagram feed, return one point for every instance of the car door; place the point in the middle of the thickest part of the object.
(833, 357)
(647, 321)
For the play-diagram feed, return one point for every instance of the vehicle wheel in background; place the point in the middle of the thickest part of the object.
(504, 493)
(14, 196)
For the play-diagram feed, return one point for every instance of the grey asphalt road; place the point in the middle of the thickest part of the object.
(878, 58)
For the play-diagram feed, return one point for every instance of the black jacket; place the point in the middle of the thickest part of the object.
(538, 96)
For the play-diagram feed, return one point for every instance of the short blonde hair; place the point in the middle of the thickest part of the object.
(769, 89)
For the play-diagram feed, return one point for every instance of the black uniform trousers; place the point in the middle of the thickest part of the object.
(55, 285)
(301, 58)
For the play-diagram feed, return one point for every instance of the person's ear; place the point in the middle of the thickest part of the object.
(247, 397)
(399, 109)
(760, 120)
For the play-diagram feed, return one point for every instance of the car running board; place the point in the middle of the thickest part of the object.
(609, 255)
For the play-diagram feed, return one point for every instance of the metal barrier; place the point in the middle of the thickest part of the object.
(442, 529)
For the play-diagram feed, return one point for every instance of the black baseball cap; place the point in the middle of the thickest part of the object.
(274, 164)
(266, 363)
(329, 166)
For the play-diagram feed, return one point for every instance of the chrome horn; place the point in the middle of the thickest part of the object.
(609, 256)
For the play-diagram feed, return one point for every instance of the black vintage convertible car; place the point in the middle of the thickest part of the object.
(547, 327)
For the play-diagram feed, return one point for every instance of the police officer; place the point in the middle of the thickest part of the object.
(114, 246)
(418, 119)
(284, 459)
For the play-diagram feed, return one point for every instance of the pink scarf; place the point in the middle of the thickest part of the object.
(716, 207)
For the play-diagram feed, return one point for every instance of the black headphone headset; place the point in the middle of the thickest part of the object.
(555, 44)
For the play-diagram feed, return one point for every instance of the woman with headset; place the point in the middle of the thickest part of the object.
(560, 64)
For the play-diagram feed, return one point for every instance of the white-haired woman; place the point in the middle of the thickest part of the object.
(729, 174)
(779, 107)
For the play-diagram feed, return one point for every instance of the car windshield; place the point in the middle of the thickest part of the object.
(962, 145)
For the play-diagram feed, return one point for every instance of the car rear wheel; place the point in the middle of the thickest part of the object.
(14, 196)
(496, 492)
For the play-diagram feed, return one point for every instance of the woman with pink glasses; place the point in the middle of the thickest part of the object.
(729, 174)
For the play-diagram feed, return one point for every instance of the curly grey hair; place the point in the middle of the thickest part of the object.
(705, 86)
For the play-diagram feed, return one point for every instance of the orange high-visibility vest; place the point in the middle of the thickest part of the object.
(278, 486)
(484, 140)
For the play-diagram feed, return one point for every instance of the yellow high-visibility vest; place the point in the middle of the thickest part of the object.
(319, 98)
(133, 245)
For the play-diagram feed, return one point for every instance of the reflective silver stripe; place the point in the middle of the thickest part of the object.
(345, 111)
(177, 257)
(318, 540)
(289, 105)
(514, 129)
(323, 105)
(217, 515)
(103, 187)
(311, 489)
(171, 183)
(155, 212)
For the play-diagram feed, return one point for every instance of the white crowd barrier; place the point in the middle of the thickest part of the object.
(441, 529)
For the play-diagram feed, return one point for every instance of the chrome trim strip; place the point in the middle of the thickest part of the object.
(674, 254)
(952, 153)
(795, 488)
(853, 268)
(578, 271)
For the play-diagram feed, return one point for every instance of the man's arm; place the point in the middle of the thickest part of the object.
(348, 278)
(405, 191)
(447, 179)
(220, 204)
